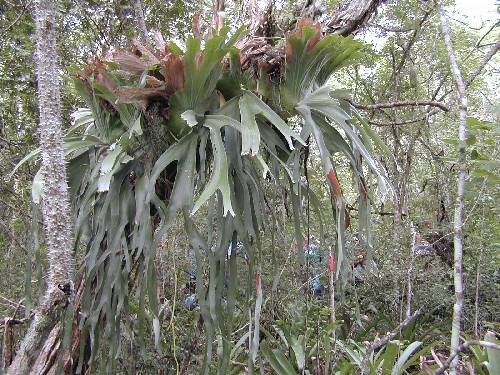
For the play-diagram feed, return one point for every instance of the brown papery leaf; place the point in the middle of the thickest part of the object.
(129, 62)
(146, 54)
(196, 26)
(135, 94)
(160, 44)
(173, 71)
(305, 22)
(153, 81)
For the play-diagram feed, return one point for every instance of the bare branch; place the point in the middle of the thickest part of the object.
(18, 18)
(13, 237)
(385, 339)
(6, 300)
(478, 43)
(402, 103)
(460, 349)
(398, 123)
(412, 41)
(493, 50)
(392, 30)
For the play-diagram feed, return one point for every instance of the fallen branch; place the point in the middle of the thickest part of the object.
(6, 300)
(384, 340)
(380, 213)
(460, 349)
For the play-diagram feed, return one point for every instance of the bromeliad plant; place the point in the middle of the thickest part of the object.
(168, 131)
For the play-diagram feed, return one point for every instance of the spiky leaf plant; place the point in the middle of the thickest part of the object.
(169, 132)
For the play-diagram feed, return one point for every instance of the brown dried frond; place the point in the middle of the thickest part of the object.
(196, 26)
(136, 94)
(161, 46)
(130, 62)
(153, 81)
(172, 69)
(145, 53)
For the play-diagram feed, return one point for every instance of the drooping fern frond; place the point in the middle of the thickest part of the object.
(172, 134)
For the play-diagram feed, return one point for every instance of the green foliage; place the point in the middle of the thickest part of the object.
(485, 360)
(394, 358)
(245, 134)
(154, 145)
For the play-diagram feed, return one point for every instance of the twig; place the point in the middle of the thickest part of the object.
(478, 43)
(13, 237)
(11, 321)
(384, 340)
(406, 51)
(9, 301)
(460, 349)
(389, 30)
(380, 213)
(25, 6)
(402, 103)
(436, 358)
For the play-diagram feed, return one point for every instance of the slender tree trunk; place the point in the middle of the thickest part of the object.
(409, 271)
(478, 279)
(141, 22)
(459, 205)
(55, 206)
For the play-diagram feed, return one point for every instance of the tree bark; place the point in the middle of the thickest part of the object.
(257, 13)
(459, 205)
(141, 22)
(350, 16)
(55, 204)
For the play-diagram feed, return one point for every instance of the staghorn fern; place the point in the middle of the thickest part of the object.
(169, 131)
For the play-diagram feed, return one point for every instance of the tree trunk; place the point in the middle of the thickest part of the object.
(351, 15)
(459, 205)
(55, 206)
(141, 22)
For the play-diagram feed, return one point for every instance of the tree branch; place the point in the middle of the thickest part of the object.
(6, 300)
(398, 123)
(478, 43)
(401, 103)
(13, 237)
(350, 15)
(384, 340)
(493, 50)
(460, 349)
(25, 6)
